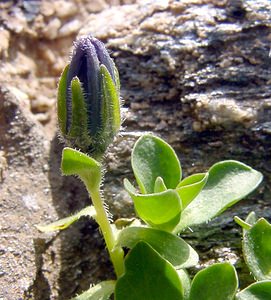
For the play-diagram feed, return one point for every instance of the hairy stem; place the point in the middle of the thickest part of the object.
(116, 253)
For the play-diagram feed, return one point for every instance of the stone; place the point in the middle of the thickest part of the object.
(70, 28)
(65, 9)
(195, 72)
(51, 29)
(4, 37)
(95, 7)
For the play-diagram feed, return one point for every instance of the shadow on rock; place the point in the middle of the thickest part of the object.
(41, 286)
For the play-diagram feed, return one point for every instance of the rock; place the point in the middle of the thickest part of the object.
(65, 9)
(51, 29)
(196, 73)
(4, 37)
(70, 28)
(95, 7)
(47, 9)
(20, 202)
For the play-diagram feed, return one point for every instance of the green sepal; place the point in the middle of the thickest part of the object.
(110, 106)
(160, 210)
(76, 163)
(117, 79)
(148, 277)
(66, 222)
(61, 100)
(79, 123)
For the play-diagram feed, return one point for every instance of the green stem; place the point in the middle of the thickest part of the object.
(116, 253)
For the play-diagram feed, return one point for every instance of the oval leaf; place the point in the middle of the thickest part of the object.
(257, 291)
(161, 210)
(257, 249)
(169, 246)
(76, 163)
(228, 182)
(218, 281)
(100, 291)
(190, 187)
(148, 277)
(151, 158)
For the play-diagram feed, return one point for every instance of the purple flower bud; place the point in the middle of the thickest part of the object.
(90, 84)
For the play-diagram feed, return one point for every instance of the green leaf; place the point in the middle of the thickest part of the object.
(242, 223)
(148, 277)
(186, 283)
(61, 100)
(151, 158)
(228, 182)
(76, 163)
(257, 291)
(66, 222)
(159, 185)
(257, 249)
(161, 210)
(101, 291)
(218, 281)
(251, 219)
(169, 246)
(190, 187)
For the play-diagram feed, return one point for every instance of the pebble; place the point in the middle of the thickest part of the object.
(65, 9)
(42, 103)
(4, 38)
(70, 28)
(47, 9)
(51, 30)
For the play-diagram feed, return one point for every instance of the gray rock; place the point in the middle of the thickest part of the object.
(196, 73)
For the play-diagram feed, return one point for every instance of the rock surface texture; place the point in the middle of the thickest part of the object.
(196, 72)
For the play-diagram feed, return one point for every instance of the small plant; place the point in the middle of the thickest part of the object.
(165, 203)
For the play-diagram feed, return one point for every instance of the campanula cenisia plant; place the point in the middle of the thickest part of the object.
(154, 267)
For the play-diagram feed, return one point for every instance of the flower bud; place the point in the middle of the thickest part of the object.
(88, 98)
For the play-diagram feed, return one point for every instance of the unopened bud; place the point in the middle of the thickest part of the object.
(88, 98)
